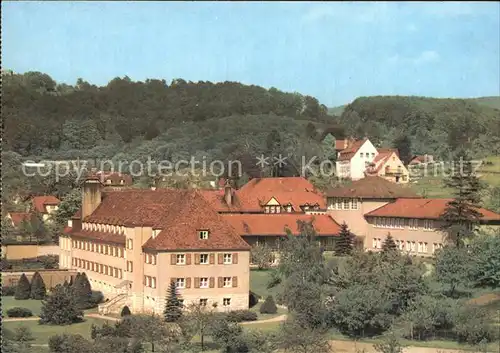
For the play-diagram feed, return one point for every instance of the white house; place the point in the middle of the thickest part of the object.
(353, 160)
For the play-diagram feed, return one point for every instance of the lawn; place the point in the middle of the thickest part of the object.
(258, 283)
(34, 305)
(41, 333)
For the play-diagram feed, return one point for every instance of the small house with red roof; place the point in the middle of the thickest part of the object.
(388, 166)
(353, 160)
(44, 205)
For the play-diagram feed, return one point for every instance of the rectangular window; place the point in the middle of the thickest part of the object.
(228, 282)
(428, 224)
(228, 259)
(226, 302)
(346, 204)
(424, 247)
(153, 259)
(413, 246)
(130, 266)
(413, 224)
(339, 204)
(204, 282)
(374, 244)
(361, 154)
(153, 282)
(203, 234)
(203, 302)
(408, 245)
(120, 273)
(420, 246)
(273, 209)
(129, 244)
(181, 259)
(204, 259)
(354, 204)
(180, 283)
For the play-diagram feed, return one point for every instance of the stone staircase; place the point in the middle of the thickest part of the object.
(114, 304)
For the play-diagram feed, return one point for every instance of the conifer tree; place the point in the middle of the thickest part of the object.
(60, 307)
(269, 306)
(345, 242)
(82, 290)
(173, 307)
(38, 289)
(389, 245)
(23, 289)
(461, 215)
(125, 311)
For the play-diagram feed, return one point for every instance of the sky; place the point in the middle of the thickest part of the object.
(332, 51)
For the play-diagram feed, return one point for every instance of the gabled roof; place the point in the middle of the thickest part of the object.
(276, 224)
(39, 202)
(423, 209)
(372, 187)
(381, 159)
(179, 213)
(18, 217)
(350, 151)
(388, 150)
(296, 191)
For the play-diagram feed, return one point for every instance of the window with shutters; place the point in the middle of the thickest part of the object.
(130, 266)
(228, 282)
(130, 244)
(226, 302)
(181, 259)
(180, 283)
(153, 259)
(203, 234)
(228, 259)
(204, 282)
(204, 259)
(203, 302)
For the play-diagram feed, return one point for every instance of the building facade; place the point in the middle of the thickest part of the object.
(133, 243)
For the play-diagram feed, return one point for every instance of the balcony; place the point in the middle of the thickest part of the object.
(393, 171)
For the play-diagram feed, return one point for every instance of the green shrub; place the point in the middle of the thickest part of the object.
(8, 291)
(23, 289)
(125, 311)
(269, 306)
(241, 315)
(19, 312)
(253, 299)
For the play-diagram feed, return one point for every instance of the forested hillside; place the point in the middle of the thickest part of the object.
(43, 118)
(434, 126)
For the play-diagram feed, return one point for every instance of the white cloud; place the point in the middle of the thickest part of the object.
(426, 57)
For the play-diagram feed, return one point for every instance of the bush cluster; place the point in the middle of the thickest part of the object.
(19, 312)
(241, 316)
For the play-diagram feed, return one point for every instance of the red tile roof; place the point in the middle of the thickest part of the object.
(350, 151)
(372, 187)
(105, 237)
(180, 213)
(296, 191)
(18, 217)
(340, 144)
(422, 209)
(276, 224)
(380, 160)
(388, 150)
(39, 202)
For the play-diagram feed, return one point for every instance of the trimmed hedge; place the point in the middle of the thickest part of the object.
(241, 316)
(269, 306)
(19, 312)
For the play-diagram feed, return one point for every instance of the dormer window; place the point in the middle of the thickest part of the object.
(122, 181)
(289, 208)
(108, 181)
(203, 234)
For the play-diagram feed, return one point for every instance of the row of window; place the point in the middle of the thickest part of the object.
(199, 282)
(342, 204)
(104, 249)
(204, 259)
(367, 155)
(277, 209)
(401, 223)
(420, 247)
(98, 227)
(98, 268)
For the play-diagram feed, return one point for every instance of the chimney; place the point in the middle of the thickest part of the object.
(91, 197)
(228, 193)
